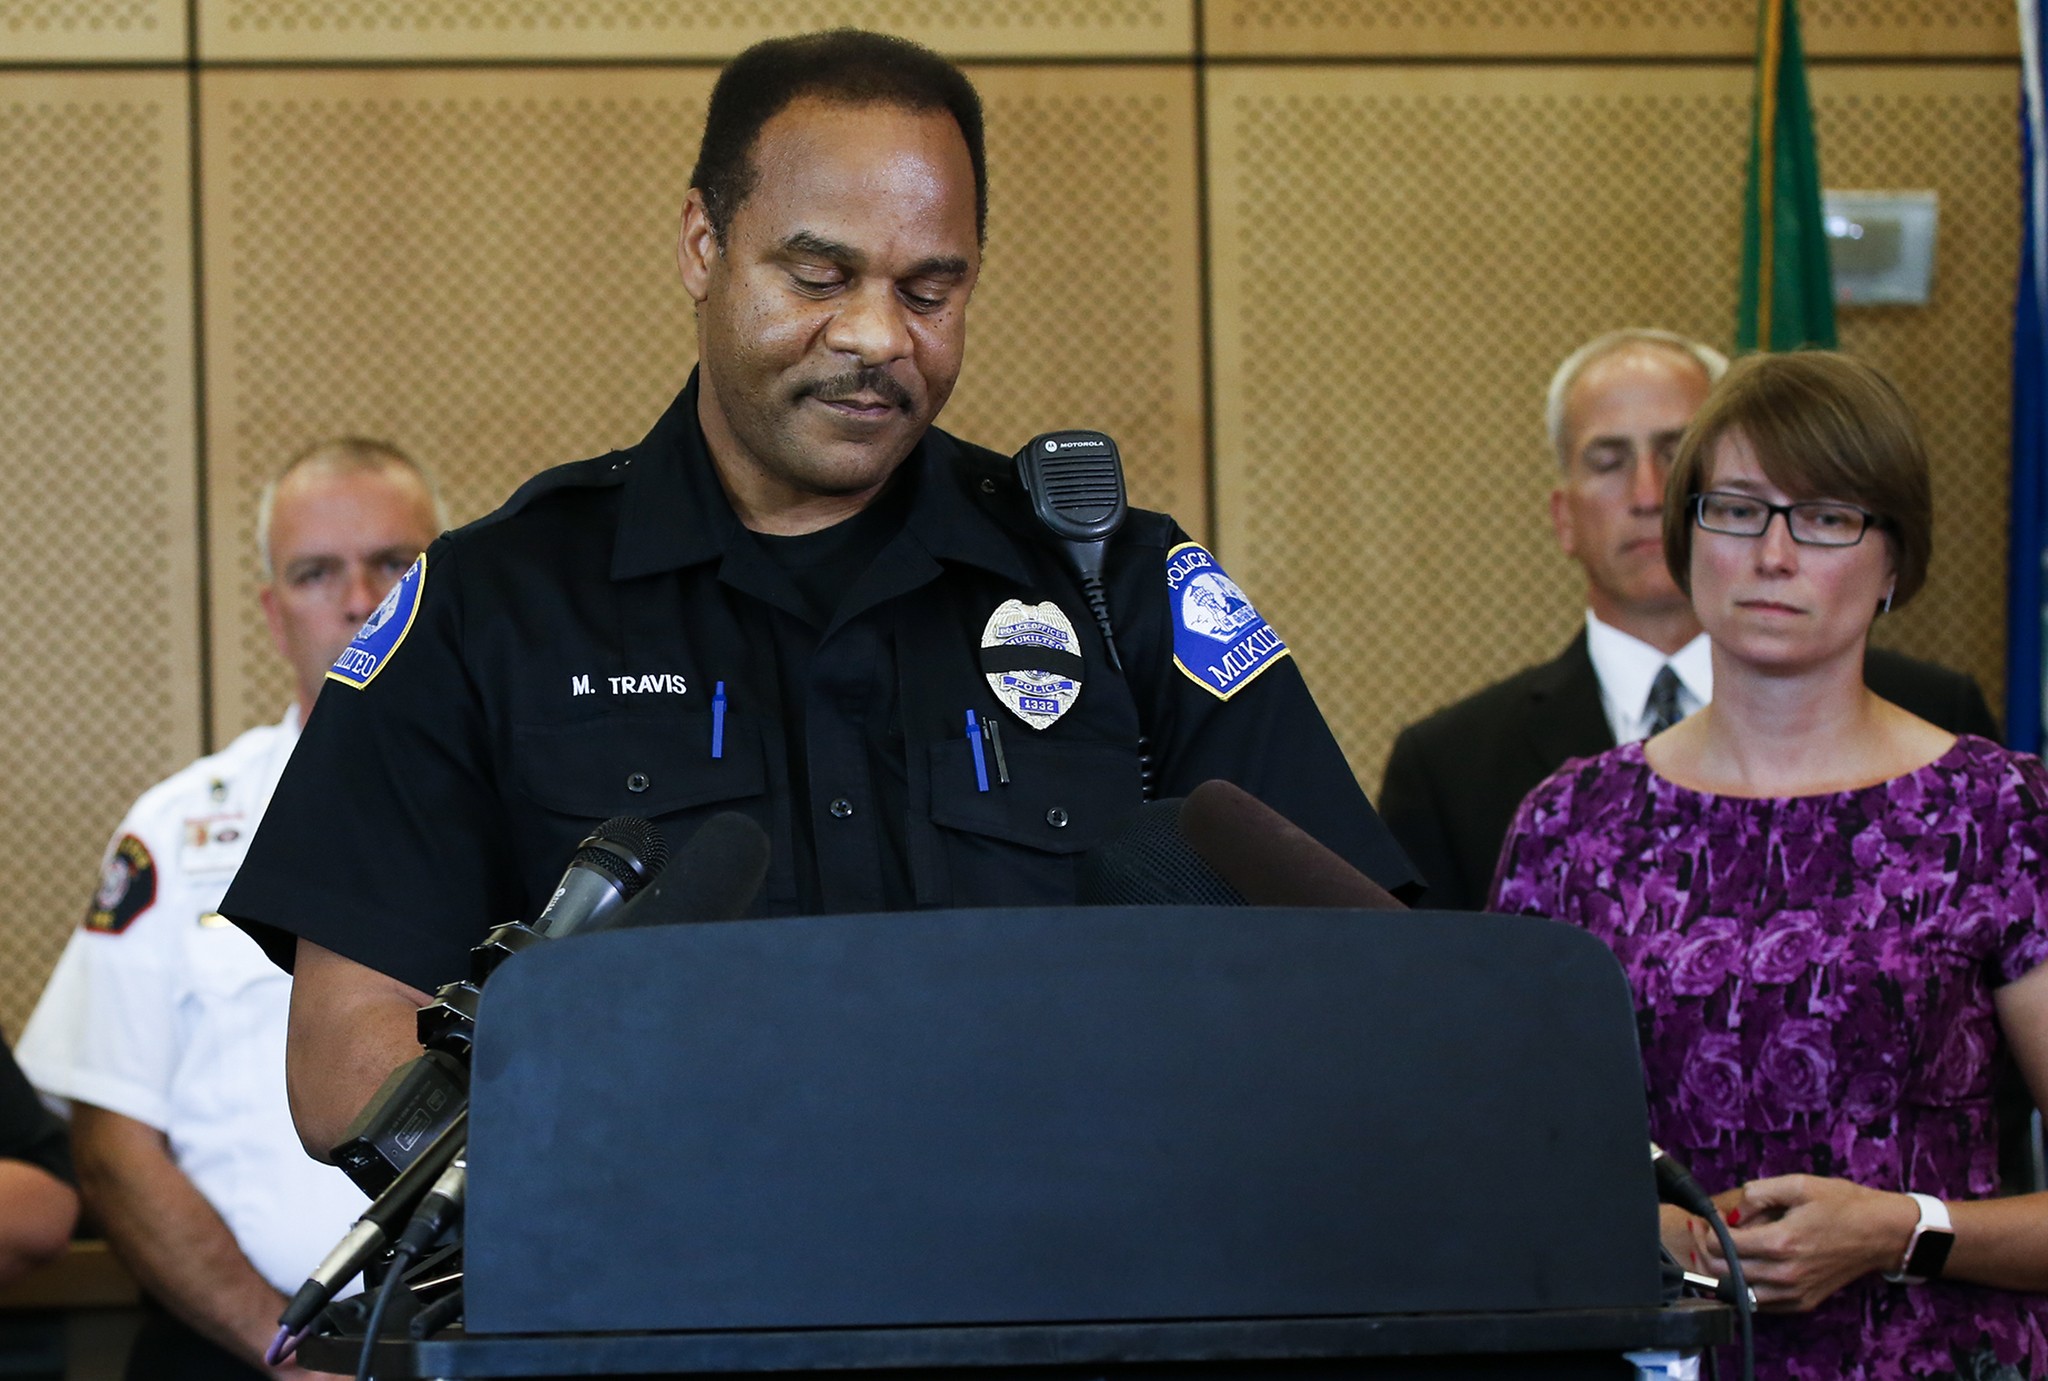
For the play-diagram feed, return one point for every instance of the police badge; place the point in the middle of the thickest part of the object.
(1032, 658)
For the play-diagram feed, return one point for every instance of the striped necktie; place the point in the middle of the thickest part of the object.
(1663, 703)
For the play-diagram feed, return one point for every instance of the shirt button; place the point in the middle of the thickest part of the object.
(1057, 818)
(841, 808)
(988, 486)
(637, 782)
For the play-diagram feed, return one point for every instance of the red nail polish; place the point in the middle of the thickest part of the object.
(1734, 1216)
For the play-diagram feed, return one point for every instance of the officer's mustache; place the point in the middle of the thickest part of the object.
(874, 382)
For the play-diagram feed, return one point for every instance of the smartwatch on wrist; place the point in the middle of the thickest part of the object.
(1927, 1250)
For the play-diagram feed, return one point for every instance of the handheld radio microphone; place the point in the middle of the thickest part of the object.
(1076, 483)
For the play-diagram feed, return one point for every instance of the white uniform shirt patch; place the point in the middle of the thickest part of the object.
(1032, 659)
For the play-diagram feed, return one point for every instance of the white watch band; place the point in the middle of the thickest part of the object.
(1933, 1218)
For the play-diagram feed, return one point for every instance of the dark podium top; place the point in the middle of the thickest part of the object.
(1040, 1137)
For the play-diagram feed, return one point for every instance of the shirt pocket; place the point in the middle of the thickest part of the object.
(1020, 844)
(651, 767)
(659, 768)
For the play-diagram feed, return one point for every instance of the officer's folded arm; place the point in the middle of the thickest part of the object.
(350, 1027)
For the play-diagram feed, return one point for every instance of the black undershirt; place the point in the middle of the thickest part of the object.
(824, 566)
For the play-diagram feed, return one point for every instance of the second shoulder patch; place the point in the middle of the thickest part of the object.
(1219, 641)
(383, 631)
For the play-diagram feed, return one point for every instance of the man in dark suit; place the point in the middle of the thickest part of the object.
(1615, 410)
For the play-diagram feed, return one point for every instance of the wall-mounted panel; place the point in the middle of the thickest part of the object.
(1599, 28)
(479, 266)
(1402, 255)
(92, 31)
(98, 485)
(1089, 309)
(1949, 129)
(552, 30)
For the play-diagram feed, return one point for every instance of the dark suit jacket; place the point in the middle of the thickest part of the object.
(1455, 779)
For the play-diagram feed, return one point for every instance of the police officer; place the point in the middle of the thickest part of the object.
(796, 598)
(163, 1026)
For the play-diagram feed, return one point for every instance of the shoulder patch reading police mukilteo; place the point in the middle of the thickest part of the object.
(1032, 659)
(127, 887)
(383, 631)
(1219, 641)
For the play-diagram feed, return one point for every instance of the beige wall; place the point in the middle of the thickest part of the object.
(1316, 257)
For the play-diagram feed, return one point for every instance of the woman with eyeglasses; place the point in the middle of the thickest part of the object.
(1833, 914)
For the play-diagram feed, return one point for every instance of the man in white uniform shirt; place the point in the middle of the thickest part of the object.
(163, 1026)
(1614, 412)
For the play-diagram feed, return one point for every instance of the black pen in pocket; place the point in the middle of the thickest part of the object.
(993, 732)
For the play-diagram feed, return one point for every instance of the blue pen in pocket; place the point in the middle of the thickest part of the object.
(718, 720)
(980, 763)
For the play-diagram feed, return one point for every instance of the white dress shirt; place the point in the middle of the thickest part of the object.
(1626, 666)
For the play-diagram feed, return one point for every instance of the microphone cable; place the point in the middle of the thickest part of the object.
(401, 1260)
(1675, 1185)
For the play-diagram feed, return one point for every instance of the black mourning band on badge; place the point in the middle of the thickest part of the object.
(1029, 657)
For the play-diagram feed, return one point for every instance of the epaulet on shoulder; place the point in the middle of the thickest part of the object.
(598, 472)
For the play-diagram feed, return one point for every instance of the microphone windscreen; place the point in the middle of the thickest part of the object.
(1149, 863)
(714, 877)
(1267, 858)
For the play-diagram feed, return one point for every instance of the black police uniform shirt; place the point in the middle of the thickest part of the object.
(614, 642)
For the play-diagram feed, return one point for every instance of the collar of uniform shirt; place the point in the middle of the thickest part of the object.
(1626, 666)
(675, 513)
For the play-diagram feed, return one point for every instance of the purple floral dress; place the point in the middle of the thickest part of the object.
(1813, 980)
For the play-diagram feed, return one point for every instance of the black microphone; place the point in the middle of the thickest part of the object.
(1149, 862)
(1675, 1185)
(1075, 480)
(609, 867)
(1222, 846)
(715, 877)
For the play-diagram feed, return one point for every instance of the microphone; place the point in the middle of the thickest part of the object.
(440, 1209)
(715, 877)
(610, 866)
(607, 870)
(1675, 1184)
(1149, 862)
(377, 1225)
(1222, 846)
(1268, 858)
(1075, 480)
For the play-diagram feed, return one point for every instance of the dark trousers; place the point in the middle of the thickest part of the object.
(166, 1350)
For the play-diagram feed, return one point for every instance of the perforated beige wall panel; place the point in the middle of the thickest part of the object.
(1949, 129)
(97, 487)
(1089, 308)
(480, 267)
(1605, 28)
(554, 29)
(1402, 255)
(92, 30)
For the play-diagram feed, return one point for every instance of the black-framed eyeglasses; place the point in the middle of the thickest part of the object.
(1813, 522)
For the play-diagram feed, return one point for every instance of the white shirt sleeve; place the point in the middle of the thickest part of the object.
(105, 1029)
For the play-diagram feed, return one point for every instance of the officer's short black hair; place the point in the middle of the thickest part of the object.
(851, 66)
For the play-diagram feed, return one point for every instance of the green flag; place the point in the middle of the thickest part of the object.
(1788, 293)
